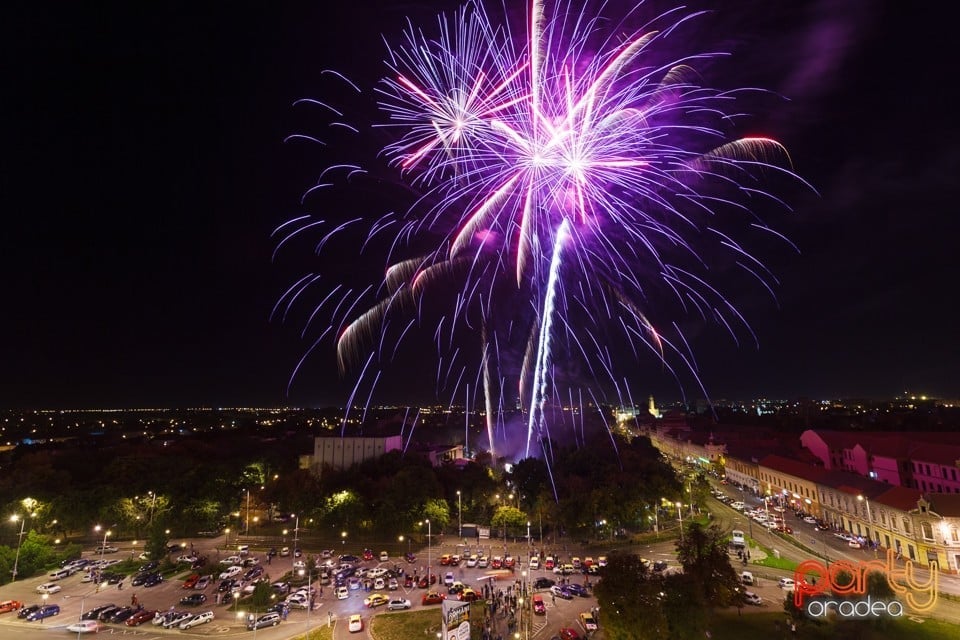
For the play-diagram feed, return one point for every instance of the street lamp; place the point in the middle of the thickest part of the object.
(309, 595)
(16, 560)
(429, 549)
(680, 515)
(343, 539)
(459, 515)
(296, 537)
(103, 545)
(869, 516)
(528, 539)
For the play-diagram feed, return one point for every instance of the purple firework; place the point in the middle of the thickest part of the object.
(567, 167)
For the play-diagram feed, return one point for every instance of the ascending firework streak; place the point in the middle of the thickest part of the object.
(562, 169)
(537, 422)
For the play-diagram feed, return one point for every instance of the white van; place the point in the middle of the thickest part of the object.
(738, 539)
(243, 550)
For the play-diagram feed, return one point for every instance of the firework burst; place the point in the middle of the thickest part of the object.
(568, 168)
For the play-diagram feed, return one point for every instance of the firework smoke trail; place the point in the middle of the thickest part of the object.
(575, 125)
(537, 422)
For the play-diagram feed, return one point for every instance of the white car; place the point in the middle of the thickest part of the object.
(187, 559)
(200, 618)
(534, 562)
(355, 625)
(230, 560)
(84, 626)
(231, 572)
(342, 593)
(472, 560)
(49, 587)
(377, 572)
(751, 598)
(379, 584)
(448, 578)
(786, 583)
(384, 556)
(482, 562)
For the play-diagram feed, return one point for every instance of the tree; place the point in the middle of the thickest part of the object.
(703, 555)
(509, 519)
(631, 599)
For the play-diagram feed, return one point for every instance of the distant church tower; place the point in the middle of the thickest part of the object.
(652, 408)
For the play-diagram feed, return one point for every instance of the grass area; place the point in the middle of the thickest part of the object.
(320, 633)
(421, 623)
(406, 625)
(776, 563)
(730, 626)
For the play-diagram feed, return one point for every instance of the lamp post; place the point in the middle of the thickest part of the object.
(680, 516)
(103, 545)
(153, 505)
(429, 549)
(459, 515)
(296, 537)
(309, 594)
(246, 529)
(865, 500)
(16, 560)
(528, 539)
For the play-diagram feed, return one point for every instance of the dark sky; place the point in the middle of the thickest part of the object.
(143, 169)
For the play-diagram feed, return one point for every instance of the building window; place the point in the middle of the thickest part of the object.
(906, 526)
(927, 530)
(954, 534)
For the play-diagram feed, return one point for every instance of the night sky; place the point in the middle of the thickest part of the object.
(144, 168)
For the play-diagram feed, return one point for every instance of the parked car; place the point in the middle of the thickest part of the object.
(200, 618)
(539, 607)
(751, 598)
(104, 616)
(122, 614)
(138, 618)
(384, 556)
(174, 620)
(398, 603)
(543, 583)
(577, 589)
(44, 611)
(560, 592)
(432, 597)
(271, 619)
(787, 584)
(10, 605)
(342, 593)
(27, 610)
(588, 621)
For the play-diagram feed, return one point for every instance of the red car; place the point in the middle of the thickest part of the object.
(423, 581)
(10, 605)
(367, 554)
(432, 597)
(140, 617)
(549, 563)
(538, 606)
(509, 562)
(191, 581)
(569, 634)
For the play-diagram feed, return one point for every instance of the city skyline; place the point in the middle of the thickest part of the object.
(147, 170)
